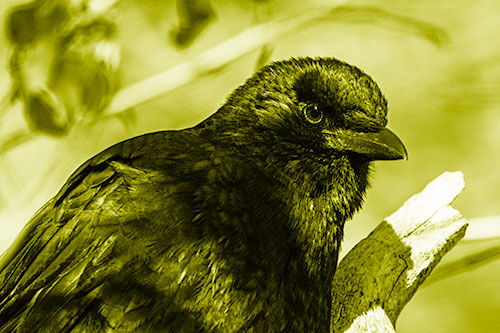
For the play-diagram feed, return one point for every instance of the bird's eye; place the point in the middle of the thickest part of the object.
(313, 114)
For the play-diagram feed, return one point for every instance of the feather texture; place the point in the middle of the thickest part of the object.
(234, 224)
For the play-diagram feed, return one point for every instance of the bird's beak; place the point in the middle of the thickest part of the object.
(380, 145)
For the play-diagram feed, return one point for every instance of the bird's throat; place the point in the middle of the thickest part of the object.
(319, 203)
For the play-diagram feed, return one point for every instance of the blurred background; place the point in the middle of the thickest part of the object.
(81, 75)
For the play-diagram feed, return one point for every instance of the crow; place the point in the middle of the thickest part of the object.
(234, 224)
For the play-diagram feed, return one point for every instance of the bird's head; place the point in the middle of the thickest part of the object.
(313, 126)
(316, 121)
(321, 104)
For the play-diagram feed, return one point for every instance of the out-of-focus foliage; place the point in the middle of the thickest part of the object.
(194, 15)
(264, 56)
(63, 61)
(384, 18)
(437, 63)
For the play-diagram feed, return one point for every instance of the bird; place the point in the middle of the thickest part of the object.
(234, 224)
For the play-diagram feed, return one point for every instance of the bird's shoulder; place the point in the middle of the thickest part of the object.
(151, 209)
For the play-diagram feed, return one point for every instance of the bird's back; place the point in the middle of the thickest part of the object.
(146, 235)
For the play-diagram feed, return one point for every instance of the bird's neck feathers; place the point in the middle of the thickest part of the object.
(319, 192)
(319, 203)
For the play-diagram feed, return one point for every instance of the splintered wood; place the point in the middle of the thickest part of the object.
(381, 273)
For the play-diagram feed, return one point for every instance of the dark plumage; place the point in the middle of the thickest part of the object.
(233, 224)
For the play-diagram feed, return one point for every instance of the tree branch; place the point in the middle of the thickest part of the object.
(382, 272)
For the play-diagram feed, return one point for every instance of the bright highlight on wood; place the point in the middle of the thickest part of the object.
(382, 272)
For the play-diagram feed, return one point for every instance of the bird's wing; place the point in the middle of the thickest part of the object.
(124, 214)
